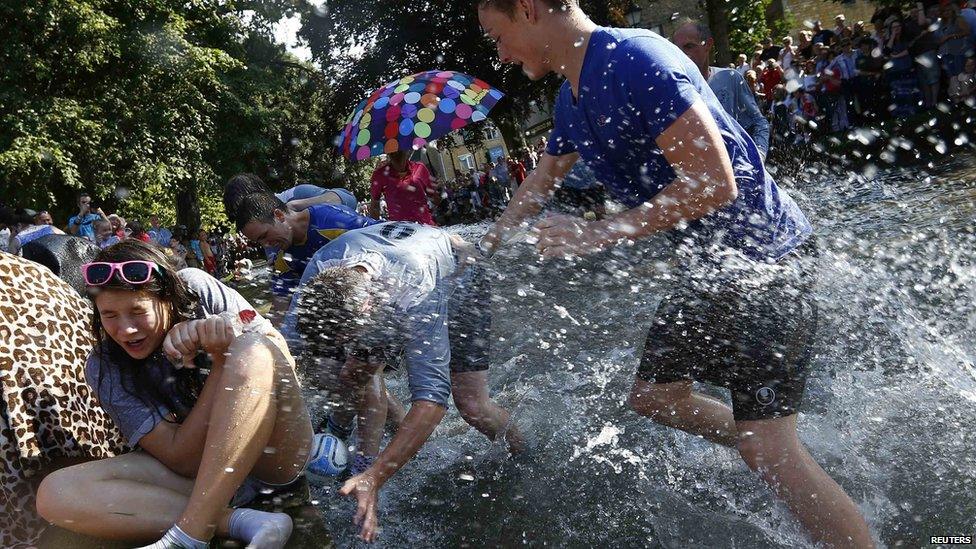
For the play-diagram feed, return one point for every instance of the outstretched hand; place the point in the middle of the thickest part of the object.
(565, 236)
(365, 489)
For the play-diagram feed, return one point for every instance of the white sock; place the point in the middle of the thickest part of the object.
(260, 530)
(175, 538)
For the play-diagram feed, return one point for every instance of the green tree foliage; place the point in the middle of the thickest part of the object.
(152, 104)
(367, 44)
(747, 25)
(739, 26)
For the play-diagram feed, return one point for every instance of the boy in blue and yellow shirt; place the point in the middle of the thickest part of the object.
(296, 236)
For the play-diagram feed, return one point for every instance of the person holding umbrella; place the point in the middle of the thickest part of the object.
(742, 315)
(406, 185)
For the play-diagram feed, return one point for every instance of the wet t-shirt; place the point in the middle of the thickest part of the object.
(325, 223)
(634, 85)
(413, 265)
(306, 190)
(137, 416)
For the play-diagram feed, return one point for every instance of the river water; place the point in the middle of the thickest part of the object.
(889, 406)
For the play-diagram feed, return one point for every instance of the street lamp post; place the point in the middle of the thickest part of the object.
(634, 14)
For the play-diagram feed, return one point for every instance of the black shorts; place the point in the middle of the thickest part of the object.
(749, 330)
(469, 321)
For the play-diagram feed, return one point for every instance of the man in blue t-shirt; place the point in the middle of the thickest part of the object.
(81, 223)
(266, 220)
(642, 116)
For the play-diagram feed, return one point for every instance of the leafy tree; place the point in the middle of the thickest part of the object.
(367, 44)
(738, 26)
(152, 104)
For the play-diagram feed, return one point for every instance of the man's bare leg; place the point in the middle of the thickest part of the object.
(676, 405)
(395, 411)
(770, 447)
(372, 417)
(470, 390)
(351, 394)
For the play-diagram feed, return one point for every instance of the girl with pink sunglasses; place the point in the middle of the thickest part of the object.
(205, 442)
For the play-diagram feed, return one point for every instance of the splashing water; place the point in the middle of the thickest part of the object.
(888, 410)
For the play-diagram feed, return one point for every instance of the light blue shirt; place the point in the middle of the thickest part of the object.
(413, 265)
(969, 15)
(161, 236)
(844, 65)
(84, 224)
(735, 96)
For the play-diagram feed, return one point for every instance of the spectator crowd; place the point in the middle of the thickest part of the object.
(483, 192)
(830, 79)
(405, 190)
(210, 252)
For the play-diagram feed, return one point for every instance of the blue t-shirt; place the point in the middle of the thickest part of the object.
(413, 265)
(197, 249)
(33, 233)
(86, 229)
(325, 223)
(580, 177)
(633, 86)
(161, 236)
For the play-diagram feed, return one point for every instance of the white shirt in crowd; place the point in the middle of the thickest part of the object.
(786, 58)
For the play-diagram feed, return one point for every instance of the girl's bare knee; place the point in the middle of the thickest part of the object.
(52, 492)
(250, 359)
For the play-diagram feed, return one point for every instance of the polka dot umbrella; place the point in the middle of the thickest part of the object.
(408, 113)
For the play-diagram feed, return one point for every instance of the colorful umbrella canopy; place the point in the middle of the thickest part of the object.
(408, 113)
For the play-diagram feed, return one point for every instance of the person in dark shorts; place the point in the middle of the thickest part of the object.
(412, 287)
(643, 118)
(751, 334)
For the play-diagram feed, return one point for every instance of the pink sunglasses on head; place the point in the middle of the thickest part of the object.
(132, 272)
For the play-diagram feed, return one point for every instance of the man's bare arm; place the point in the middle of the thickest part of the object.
(530, 196)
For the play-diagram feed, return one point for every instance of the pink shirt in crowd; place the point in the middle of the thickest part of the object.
(406, 195)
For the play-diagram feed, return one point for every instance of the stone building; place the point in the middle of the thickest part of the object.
(450, 155)
(662, 16)
(805, 12)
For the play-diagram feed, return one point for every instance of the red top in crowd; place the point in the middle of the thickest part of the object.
(406, 193)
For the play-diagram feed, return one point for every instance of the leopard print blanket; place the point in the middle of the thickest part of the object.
(47, 410)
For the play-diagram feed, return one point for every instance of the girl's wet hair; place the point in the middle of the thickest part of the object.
(170, 289)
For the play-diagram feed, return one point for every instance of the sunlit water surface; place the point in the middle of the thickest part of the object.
(889, 408)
